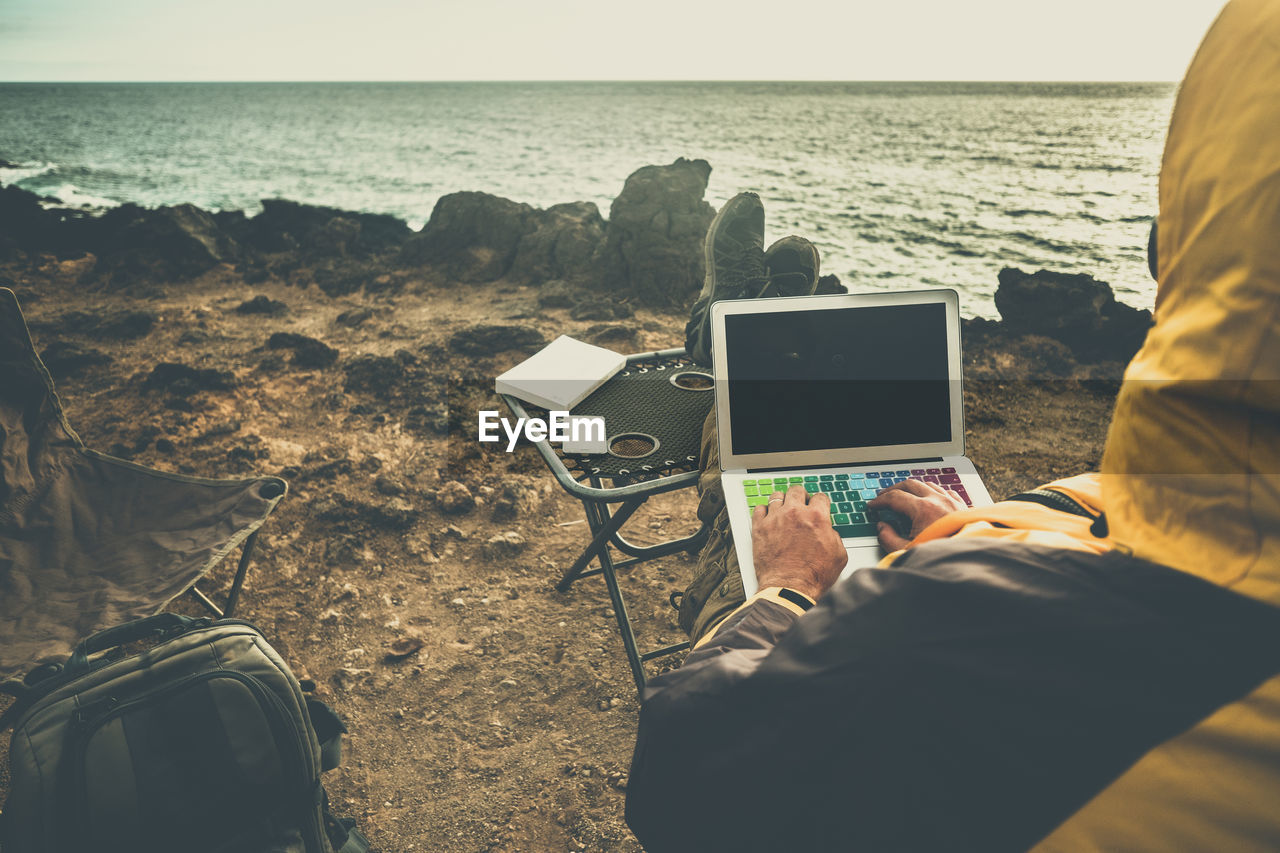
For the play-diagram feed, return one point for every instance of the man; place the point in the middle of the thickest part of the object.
(1026, 676)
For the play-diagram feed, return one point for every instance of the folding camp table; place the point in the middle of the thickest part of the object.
(653, 411)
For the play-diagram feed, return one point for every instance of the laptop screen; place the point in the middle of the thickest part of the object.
(838, 378)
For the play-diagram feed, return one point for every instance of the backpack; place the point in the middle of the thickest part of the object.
(203, 743)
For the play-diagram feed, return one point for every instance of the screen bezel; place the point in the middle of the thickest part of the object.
(730, 461)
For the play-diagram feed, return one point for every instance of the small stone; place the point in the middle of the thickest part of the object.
(261, 304)
(506, 544)
(307, 351)
(455, 497)
(355, 316)
(329, 616)
(459, 602)
(388, 485)
(508, 682)
(402, 648)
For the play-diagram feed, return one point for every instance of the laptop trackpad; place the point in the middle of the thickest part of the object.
(861, 557)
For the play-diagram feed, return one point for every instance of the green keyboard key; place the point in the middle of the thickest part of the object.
(851, 531)
(827, 486)
(839, 519)
(857, 518)
(757, 501)
(813, 478)
(748, 482)
(751, 491)
(779, 481)
(846, 507)
(795, 479)
(859, 506)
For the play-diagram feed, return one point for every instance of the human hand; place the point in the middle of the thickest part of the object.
(793, 543)
(923, 503)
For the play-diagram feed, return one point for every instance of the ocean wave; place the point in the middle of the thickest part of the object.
(69, 195)
(19, 172)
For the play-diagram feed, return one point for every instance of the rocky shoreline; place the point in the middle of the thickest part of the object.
(409, 572)
(648, 253)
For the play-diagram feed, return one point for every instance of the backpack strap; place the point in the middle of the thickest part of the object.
(329, 731)
(21, 694)
(1054, 500)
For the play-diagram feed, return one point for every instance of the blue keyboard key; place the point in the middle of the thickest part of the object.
(886, 482)
(826, 477)
(868, 494)
(904, 473)
(899, 479)
(870, 474)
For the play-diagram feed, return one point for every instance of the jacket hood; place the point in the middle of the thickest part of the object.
(1191, 473)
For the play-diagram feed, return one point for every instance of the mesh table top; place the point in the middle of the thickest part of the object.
(653, 411)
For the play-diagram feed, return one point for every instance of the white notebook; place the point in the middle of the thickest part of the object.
(561, 374)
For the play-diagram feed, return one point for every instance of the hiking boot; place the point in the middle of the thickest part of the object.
(734, 254)
(792, 264)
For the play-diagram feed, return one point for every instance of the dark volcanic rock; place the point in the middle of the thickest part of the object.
(611, 335)
(491, 339)
(25, 226)
(184, 380)
(559, 294)
(66, 358)
(1077, 310)
(261, 304)
(473, 235)
(307, 352)
(134, 244)
(355, 316)
(380, 375)
(593, 308)
(115, 325)
(562, 243)
(653, 244)
(830, 284)
(285, 225)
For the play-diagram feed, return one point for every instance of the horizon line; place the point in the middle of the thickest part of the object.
(584, 80)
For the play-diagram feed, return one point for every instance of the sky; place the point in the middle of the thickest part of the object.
(171, 40)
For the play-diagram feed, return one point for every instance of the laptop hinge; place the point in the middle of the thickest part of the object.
(881, 463)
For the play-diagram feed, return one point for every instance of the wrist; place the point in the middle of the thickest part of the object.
(805, 586)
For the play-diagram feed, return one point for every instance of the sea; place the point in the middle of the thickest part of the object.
(900, 185)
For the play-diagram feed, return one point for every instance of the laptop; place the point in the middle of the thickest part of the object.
(844, 394)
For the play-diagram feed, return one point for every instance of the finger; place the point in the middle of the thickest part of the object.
(897, 500)
(757, 513)
(825, 504)
(797, 495)
(914, 487)
(776, 500)
(889, 538)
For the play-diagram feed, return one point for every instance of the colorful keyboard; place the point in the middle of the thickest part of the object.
(850, 490)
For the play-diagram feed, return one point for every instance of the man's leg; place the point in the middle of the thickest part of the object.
(716, 588)
(737, 268)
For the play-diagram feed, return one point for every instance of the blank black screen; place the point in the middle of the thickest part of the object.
(844, 377)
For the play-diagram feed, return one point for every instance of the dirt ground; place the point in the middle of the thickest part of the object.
(511, 727)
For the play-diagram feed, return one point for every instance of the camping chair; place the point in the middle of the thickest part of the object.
(88, 541)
